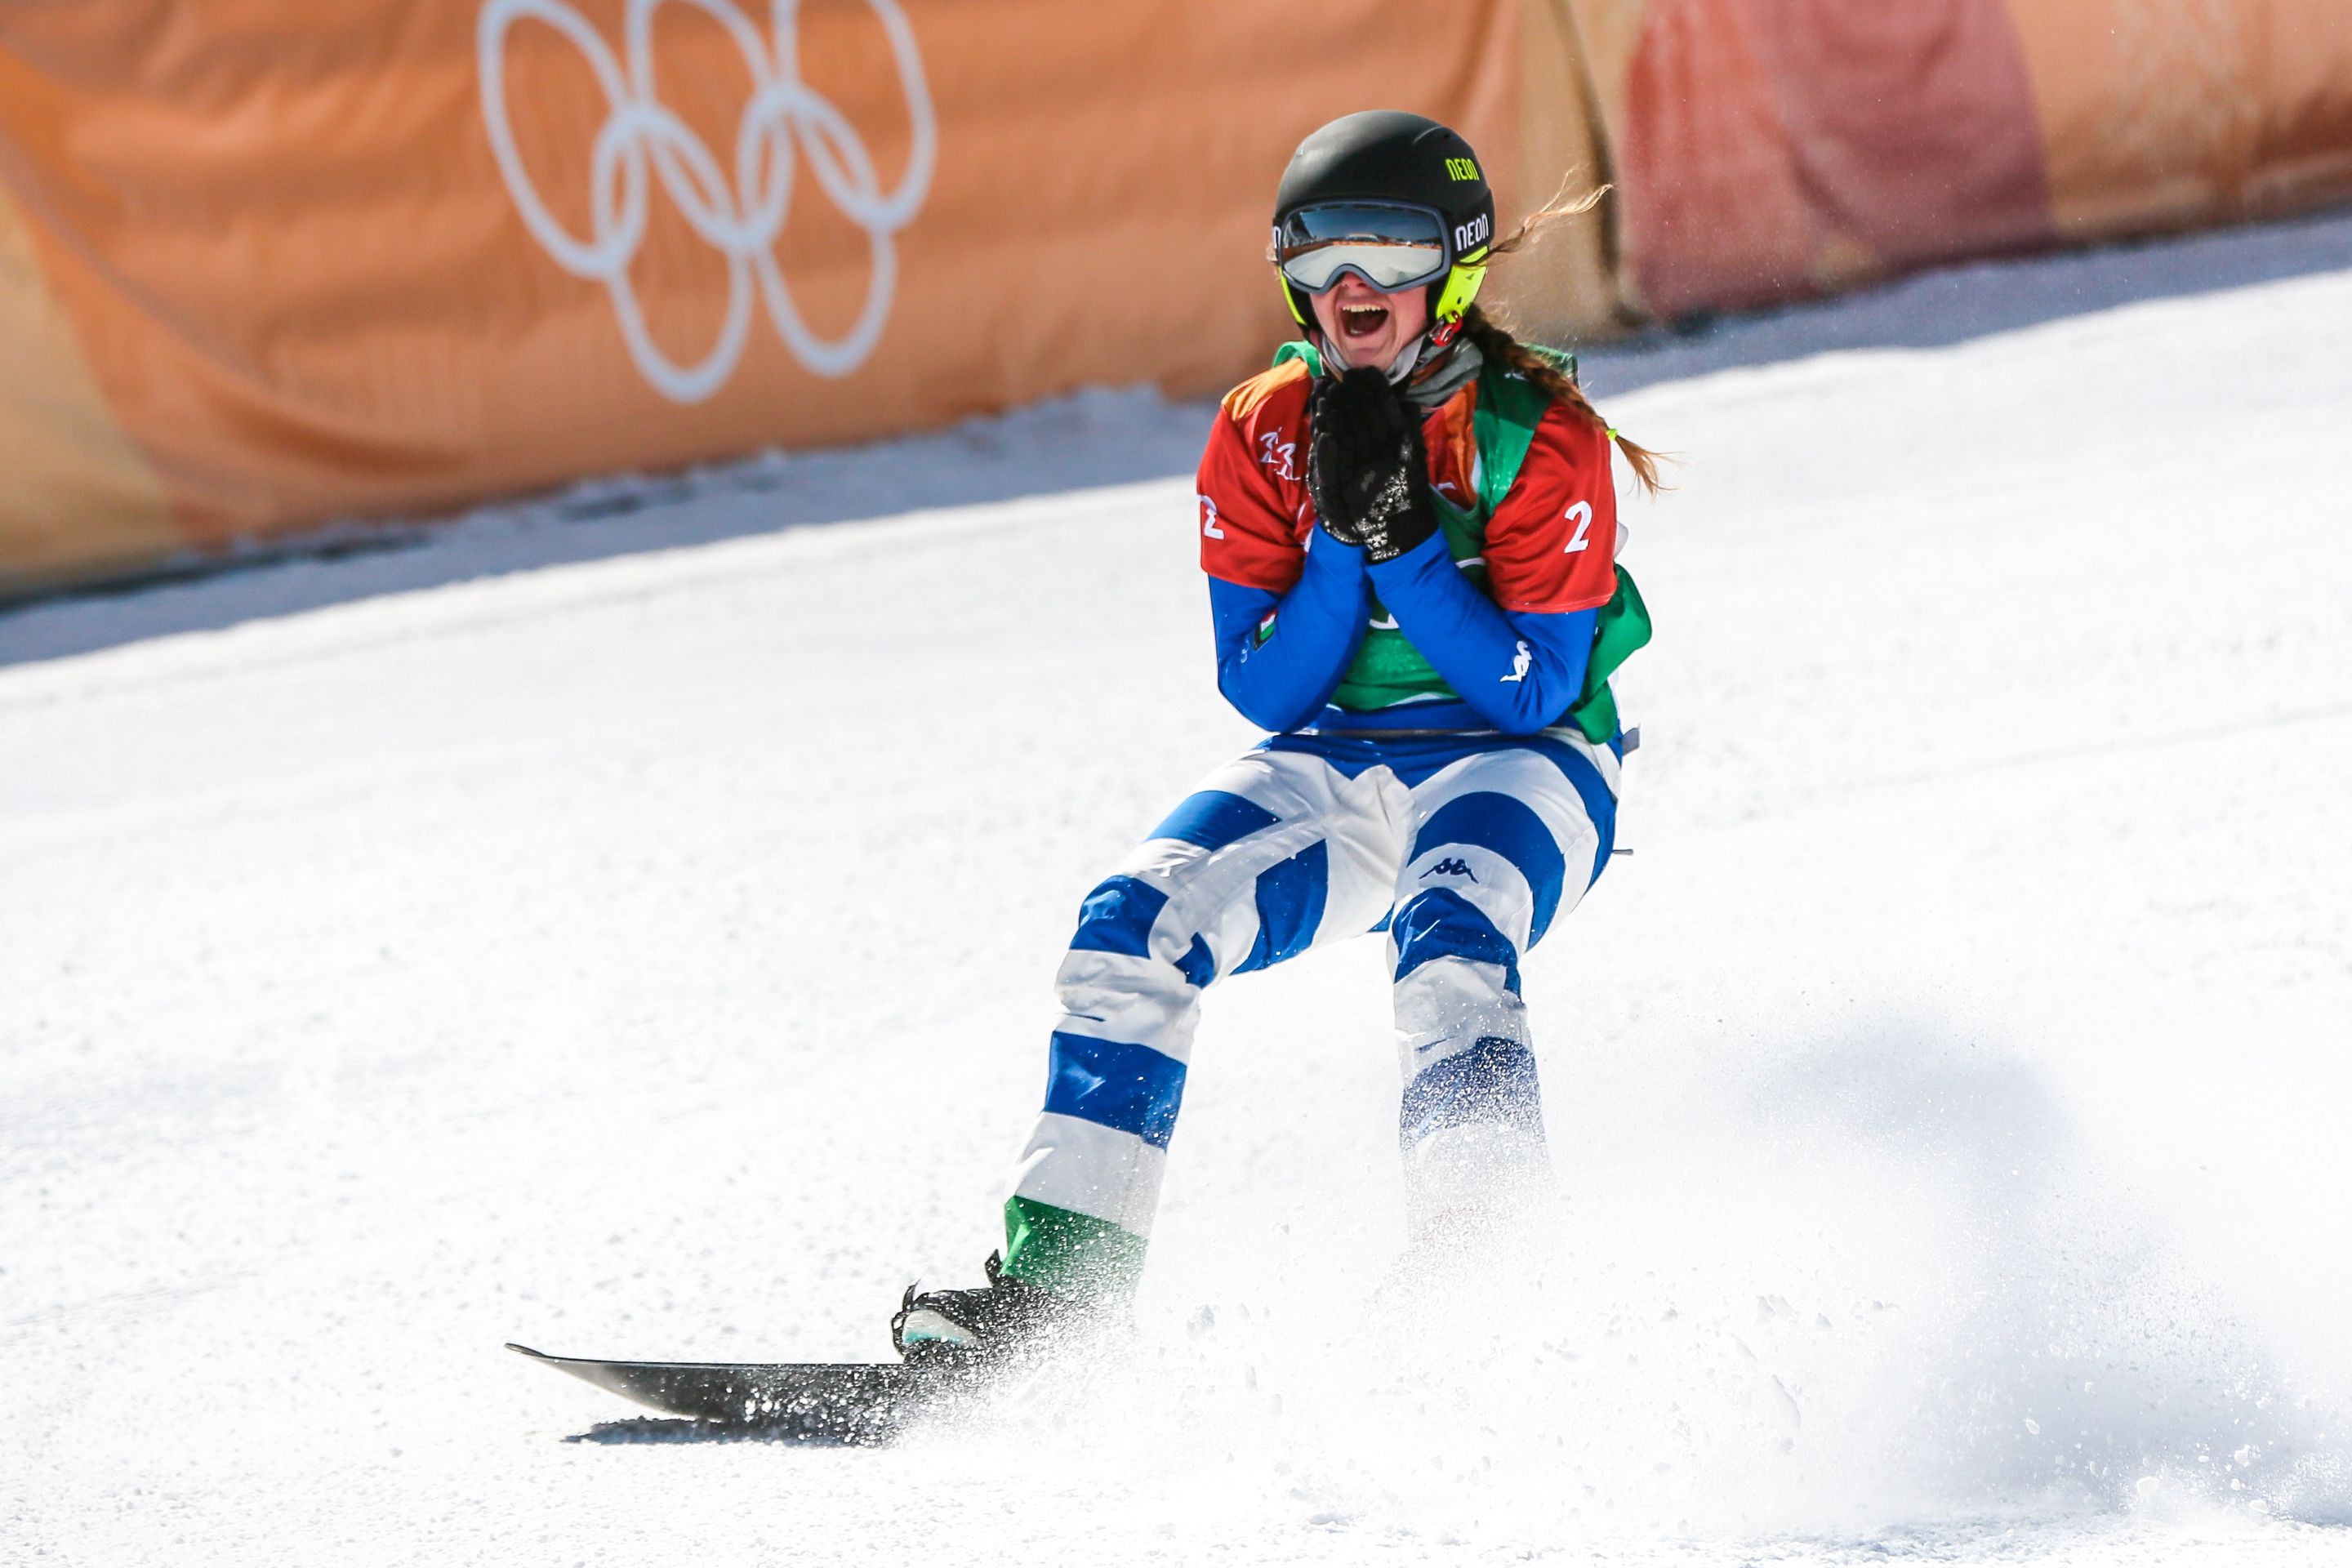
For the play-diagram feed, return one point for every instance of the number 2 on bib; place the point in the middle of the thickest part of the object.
(1580, 514)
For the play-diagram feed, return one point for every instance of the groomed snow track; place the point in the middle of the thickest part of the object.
(643, 951)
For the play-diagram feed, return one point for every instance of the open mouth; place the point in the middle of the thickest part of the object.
(1362, 320)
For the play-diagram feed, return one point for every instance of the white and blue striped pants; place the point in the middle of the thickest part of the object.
(1464, 848)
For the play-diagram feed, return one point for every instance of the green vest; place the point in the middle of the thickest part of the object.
(1387, 668)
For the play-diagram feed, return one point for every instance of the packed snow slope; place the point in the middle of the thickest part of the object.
(647, 955)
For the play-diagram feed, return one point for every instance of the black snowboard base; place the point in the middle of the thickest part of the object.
(824, 1402)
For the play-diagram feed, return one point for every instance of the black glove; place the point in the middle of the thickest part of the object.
(1365, 469)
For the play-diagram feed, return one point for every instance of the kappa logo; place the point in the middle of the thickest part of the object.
(1209, 528)
(1452, 866)
(1521, 662)
(1276, 453)
(735, 198)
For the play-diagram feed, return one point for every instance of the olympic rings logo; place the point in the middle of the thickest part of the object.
(741, 216)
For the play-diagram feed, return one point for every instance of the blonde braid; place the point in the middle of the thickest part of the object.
(1497, 344)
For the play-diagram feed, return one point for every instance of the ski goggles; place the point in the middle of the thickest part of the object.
(1389, 247)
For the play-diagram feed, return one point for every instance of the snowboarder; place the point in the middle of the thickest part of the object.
(1409, 528)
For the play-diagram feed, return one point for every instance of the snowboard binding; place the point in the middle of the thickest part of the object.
(957, 1327)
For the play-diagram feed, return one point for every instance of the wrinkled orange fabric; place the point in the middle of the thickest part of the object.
(1773, 147)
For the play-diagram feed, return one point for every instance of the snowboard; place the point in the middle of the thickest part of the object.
(824, 1402)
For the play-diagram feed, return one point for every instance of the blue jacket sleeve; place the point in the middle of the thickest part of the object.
(1521, 670)
(1282, 680)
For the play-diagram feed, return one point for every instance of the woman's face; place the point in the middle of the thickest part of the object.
(1366, 327)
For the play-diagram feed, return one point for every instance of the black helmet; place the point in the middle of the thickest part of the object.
(1387, 156)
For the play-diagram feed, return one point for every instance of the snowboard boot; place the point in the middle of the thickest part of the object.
(951, 1328)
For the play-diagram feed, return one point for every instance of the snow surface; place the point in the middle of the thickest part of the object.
(644, 951)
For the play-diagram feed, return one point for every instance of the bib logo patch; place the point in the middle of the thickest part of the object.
(1275, 454)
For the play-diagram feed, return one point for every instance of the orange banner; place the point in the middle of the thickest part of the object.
(2167, 117)
(262, 267)
(1768, 149)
